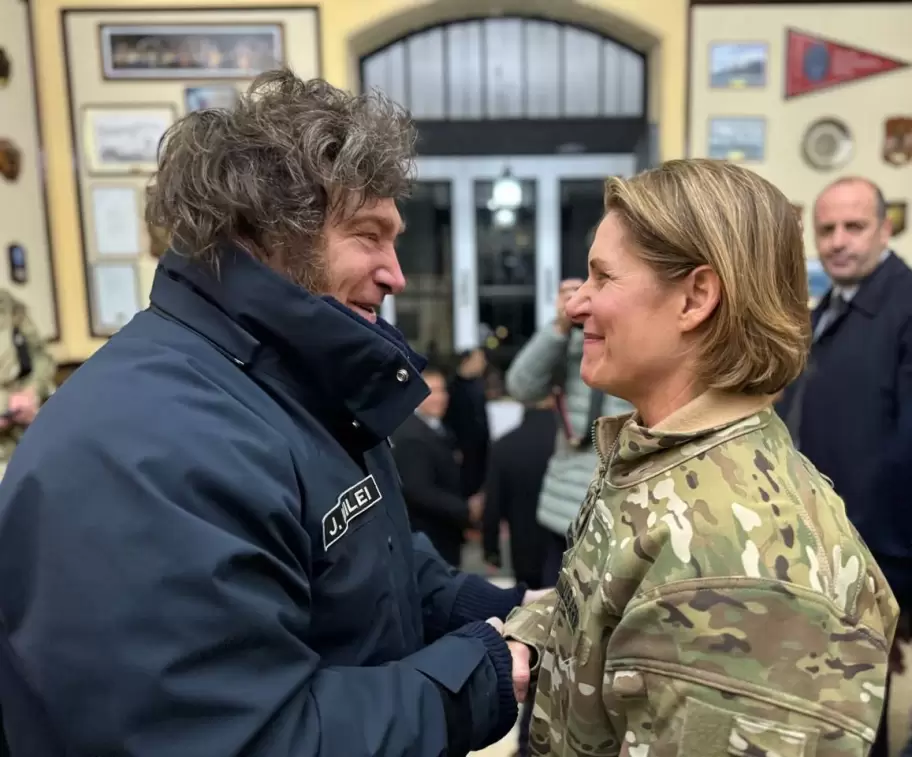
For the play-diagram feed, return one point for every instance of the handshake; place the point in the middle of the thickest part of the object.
(520, 652)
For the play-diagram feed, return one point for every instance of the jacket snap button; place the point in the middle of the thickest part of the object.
(628, 684)
(402, 375)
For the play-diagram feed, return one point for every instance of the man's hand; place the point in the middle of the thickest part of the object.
(567, 289)
(521, 674)
(534, 595)
(521, 654)
(23, 406)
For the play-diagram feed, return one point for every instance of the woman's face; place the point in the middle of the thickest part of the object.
(631, 320)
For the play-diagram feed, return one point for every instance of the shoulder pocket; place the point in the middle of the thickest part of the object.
(713, 730)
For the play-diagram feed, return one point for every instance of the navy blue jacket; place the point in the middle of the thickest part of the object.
(854, 414)
(204, 549)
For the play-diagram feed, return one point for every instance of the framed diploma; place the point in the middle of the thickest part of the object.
(115, 215)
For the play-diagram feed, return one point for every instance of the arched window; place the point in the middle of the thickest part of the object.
(509, 69)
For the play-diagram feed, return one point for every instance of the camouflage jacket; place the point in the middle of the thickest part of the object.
(24, 364)
(715, 600)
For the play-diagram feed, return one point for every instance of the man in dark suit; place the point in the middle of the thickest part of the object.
(519, 460)
(467, 418)
(845, 413)
(429, 465)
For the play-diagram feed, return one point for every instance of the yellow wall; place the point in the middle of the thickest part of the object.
(348, 28)
(881, 28)
(22, 214)
(91, 93)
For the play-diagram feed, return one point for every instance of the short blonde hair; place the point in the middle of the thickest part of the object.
(688, 213)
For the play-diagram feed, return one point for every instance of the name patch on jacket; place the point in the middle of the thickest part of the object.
(351, 503)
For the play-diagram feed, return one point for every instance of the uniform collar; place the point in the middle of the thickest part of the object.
(635, 452)
(247, 310)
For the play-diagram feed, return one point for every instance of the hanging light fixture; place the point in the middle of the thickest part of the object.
(506, 193)
(504, 218)
(506, 198)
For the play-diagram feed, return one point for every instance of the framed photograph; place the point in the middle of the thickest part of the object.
(182, 51)
(740, 139)
(115, 216)
(221, 96)
(115, 295)
(738, 65)
(124, 140)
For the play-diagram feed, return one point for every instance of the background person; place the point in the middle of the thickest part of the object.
(428, 460)
(27, 374)
(549, 364)
(467, 418)
(847, 409)
(519, 460)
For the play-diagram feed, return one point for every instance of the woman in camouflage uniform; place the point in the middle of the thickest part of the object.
(715, 599)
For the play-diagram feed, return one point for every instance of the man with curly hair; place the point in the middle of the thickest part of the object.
(203, 544)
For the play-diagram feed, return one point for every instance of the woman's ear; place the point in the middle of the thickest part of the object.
(702, 292)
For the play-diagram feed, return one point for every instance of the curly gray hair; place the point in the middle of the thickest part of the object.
(268, 173)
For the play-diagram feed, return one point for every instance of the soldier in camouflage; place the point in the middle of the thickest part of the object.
(715, 600)
(27, 374)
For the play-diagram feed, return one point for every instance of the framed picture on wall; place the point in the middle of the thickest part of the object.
(123, 139)
(115, 216)
(738, 65)
(182, 51)
(740, 139)
(115, 296)
(221, 96)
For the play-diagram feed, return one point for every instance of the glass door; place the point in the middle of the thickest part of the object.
(487, 242)
(424, 311)
(505, 248)
(581, 209)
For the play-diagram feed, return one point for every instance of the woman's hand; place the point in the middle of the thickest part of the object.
(521, 675)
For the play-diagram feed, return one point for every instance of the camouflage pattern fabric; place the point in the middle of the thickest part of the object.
(715, 600)
(18, 334)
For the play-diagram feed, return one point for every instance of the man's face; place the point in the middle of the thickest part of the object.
(435, 405)
(360, 257)
(849, 236)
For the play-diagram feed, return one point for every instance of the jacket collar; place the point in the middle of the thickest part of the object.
(872, 292)
(349, 365)
(634, 452)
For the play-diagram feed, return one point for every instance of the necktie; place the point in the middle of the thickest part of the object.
(835, 309)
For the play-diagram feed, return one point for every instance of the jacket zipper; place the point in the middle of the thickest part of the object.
(603, 459)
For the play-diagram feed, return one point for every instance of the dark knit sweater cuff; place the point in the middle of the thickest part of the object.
(502, 660)
(479, 599)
